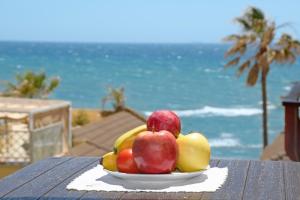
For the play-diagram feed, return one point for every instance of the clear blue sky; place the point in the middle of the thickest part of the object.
(133, 20)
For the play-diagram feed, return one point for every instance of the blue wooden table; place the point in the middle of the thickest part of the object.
(47, 179)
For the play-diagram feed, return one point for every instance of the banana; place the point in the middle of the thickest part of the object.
(109, 161)
(126, 140)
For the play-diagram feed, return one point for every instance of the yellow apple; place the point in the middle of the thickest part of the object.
(194, 152)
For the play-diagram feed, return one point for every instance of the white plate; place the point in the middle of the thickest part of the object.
(174, 176)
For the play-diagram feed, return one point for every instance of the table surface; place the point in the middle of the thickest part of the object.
(47, 179)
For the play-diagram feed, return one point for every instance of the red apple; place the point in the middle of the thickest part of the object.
(164, 120)
(155, 152)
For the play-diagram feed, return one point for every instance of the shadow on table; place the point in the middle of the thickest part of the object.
(145, 185)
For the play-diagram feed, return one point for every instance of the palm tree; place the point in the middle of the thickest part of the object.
(255, 50)
(31, 85)
(116, 96)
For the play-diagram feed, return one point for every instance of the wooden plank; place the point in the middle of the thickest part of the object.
(82, 132)
(82, 149)
(234, 185)
(246, 180)
(161, 195)
(60, 191)
(103, 122)
(18, 179)
(101, 195)
(107, 142)
(119, 123)
(98, 129)
(265, 181)
(96, 152)
(102, 131)
(214, 162)
(47, 181)
(292, 180)
(103, 139)
(114, 131)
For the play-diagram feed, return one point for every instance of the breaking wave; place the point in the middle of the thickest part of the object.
(224, 142)
(208, 111)
(227, 140)
(287, 88)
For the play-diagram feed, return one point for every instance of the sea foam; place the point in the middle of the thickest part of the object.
(208, 111)
(224, 142)
(228, 140)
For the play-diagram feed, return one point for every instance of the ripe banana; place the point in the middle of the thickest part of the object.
(109, 161)
(126, 140)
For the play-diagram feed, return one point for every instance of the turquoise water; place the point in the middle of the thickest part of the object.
(187, 78)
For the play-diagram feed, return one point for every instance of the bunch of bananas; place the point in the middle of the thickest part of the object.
(123, 142)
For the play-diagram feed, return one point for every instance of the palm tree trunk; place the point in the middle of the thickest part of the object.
(265, 110)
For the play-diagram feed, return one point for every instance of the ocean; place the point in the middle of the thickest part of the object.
(187, 78)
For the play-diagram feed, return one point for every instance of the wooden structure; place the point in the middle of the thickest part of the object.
(47, 179)
(97, 138)
(292, 129)
(32, 129)
(286, 145)
(292, 123)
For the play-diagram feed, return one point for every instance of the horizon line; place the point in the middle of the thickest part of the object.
(108, 42)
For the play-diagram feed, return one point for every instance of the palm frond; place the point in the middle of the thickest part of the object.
(238, 47)
(244, 66)
(253, 75)
(255, 13)
(253, 20)
(258, 41)
(278, 56)
(267, 36)
(232, 37)
(233, 62)
(287, 56)
(251, 38)
(296, 46)
(243, 49)
(246, 26)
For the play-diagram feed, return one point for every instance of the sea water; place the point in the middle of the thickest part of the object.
(187, 78)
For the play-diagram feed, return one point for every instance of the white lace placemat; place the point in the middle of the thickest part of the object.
(96, 179)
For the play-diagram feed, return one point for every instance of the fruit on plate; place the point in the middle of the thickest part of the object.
(164, 120)
(109, 161)
(180, 135)
(155, 152)
(126, 140)
(125, 162)
(193, 152)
